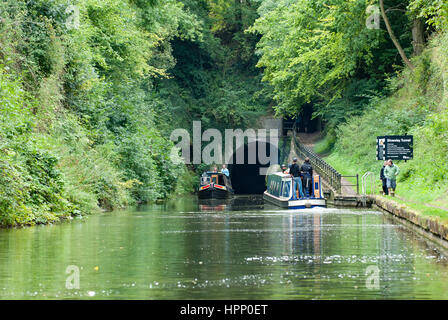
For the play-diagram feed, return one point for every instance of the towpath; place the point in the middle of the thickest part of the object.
(309, 140)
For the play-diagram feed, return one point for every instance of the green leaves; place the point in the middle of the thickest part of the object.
(215, 80)
(77, 130)
(417, 106)
(435, 11)
(31, 186)
(308, 47)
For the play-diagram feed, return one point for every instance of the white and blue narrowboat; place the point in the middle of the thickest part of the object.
(280, 192)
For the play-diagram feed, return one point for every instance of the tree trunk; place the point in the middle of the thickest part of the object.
(418, 37)
(394, 39)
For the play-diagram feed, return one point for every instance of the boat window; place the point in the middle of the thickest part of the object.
(274, 186)
(205, 180)
(277, 189)
(286, 188)
(215, 179)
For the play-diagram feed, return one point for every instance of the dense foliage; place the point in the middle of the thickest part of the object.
(216, 80)
(419, 108)
(78, 124)
(322, 52)
(309, 47)
(91, 90)
(434, 11)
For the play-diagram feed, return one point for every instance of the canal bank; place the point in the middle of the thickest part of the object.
(431, 227)
(425, 223)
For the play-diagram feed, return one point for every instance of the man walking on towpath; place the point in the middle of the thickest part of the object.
(391, 172)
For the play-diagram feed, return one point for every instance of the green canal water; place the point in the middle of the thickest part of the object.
(240, 250)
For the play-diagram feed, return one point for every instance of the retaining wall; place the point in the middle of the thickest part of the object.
(429, 224)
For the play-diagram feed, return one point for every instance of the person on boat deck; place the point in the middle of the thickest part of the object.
(205, 178)
(225, 170)
(384, 179)
(285, 170)
(307, 174)
(215, 169)
(294, 171)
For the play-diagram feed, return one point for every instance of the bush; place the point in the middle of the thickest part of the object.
(31, 186)
(417, 108)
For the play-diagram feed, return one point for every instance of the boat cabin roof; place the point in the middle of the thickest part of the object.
(210, 173)
(215, 177)
(281, 175)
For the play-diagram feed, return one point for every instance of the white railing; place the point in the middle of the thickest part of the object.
(368, 180)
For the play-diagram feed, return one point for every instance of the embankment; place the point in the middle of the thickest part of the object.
(417, 105)
(430, 225)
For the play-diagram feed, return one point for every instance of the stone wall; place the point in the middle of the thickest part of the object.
(430, 224)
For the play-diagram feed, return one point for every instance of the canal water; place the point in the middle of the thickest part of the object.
(236, 250)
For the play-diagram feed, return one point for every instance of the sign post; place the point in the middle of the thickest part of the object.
(395, 147)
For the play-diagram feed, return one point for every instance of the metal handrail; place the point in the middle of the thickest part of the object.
(352, 184)
(327, 172)
(364, 181)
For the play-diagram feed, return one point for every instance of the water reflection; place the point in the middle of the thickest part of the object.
(240, 249)
(236, 203)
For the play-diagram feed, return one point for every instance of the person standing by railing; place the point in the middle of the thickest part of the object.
(307, 173)
(294, 171)
(327, 172)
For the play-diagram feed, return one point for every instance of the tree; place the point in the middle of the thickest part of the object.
(434, 12)
(308, 49)
(418, 36)
(394, 38)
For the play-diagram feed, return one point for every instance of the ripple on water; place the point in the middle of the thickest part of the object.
(177, 252)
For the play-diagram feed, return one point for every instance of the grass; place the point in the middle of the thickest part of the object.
(324, 146)
(423, 210)
(420, 197)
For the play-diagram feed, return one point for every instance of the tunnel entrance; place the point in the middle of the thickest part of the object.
(246, 178)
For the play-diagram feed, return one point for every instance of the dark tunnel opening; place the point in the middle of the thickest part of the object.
(246, 178)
